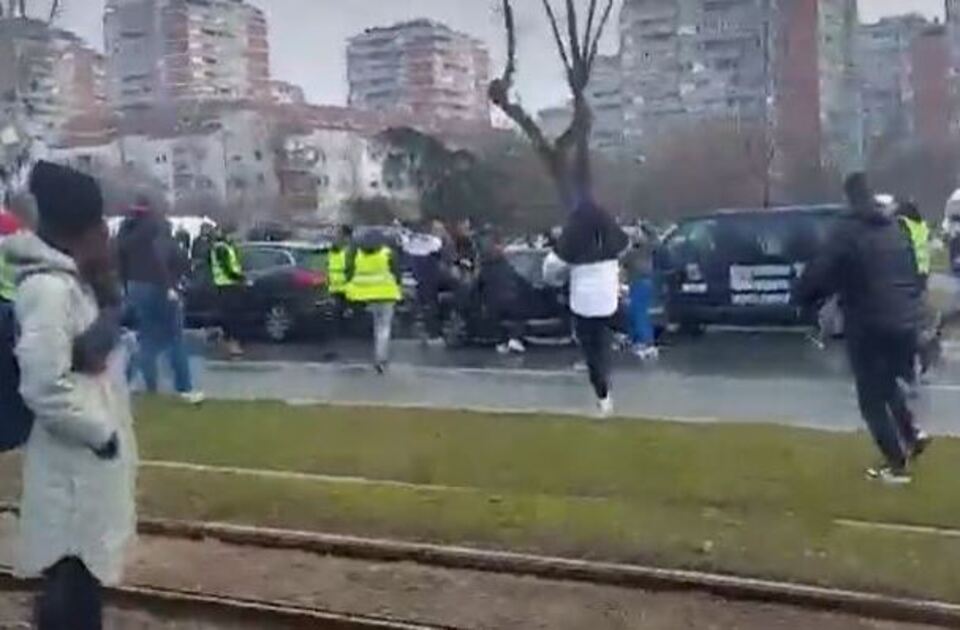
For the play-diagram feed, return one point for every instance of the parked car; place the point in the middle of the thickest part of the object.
(738, 266)
(287, 291)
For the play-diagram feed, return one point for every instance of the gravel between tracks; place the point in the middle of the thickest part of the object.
(463, 599)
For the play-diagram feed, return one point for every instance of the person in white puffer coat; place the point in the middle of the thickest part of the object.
(77, 510)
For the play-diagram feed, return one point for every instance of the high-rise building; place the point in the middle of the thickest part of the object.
(50, 76)
(785, 65)
(169, 50)
(952, 22)
(686, 60)
(884, 60)
(423, 68)
(930, 72)
(605, 93)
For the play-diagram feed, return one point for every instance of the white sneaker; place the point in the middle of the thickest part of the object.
(652, 354)
(503, 348)
(193, 398)
(605, 407)
(889, 476)
(516, 346)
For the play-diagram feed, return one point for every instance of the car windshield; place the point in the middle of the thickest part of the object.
(793, 236)
(529, 264)
(312, 259)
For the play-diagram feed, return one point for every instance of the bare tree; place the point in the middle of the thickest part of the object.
(18, 9)
(567, 158)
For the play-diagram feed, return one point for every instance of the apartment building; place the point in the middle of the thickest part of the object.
(423, 68)
(884, 60)
(687, 60)
(162, 50)
(605, 94)
(54, 76)
(786, 65)
(930, 76)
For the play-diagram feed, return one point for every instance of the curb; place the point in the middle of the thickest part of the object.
(882, 607)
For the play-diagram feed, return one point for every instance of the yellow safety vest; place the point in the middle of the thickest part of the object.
(337, 271)
(920, 235)
(8, 285)
(225, 276)
(373, 279)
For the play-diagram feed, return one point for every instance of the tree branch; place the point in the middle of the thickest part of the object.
(595, 45)
(573, 34)
(591, 15)
(55, 10)
(499, 90)
(510, 25)
(556, 36)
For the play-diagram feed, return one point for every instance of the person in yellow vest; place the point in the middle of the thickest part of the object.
(919, 232)
(226, 269)
(337, 270)
(373, 280)
(9, 224)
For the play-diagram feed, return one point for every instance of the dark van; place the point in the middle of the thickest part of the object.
(737, 267)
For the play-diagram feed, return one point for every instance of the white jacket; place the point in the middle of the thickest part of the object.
(73, 504)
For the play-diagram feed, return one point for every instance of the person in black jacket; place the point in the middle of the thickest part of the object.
(870, 264)
(591, 245)
(502, 292)
(152, 267)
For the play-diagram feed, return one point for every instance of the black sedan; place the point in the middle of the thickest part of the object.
(286, 292)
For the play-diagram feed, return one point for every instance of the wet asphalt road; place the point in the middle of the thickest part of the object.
(757, 376)
(726, 375)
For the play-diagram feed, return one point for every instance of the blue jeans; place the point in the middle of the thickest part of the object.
(159, 331)
(641, 295)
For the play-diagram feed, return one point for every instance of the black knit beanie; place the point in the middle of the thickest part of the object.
(68, 201)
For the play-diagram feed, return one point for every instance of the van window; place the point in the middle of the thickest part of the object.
(777, 236)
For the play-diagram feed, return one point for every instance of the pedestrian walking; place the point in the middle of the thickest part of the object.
(200, 252)
(337, 272)
(373, 281)
(77, 510)
(916, 228)
(424, 251)
(591, 245)
(229, 280)
(919, 232)
(638, 264)
(870, 264)
(153, 266)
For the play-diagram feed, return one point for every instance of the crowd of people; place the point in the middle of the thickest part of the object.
(66, 291)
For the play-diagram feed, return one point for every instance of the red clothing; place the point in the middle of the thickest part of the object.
(9, 224)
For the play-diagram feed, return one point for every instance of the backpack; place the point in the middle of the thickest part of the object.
(16, 419)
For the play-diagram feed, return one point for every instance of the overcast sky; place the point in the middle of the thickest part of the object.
(308, 37)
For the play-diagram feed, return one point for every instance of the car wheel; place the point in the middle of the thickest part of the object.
(454, 330)
(278, 323)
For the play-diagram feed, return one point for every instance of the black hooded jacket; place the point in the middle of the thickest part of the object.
(870, 263)
(590, 236)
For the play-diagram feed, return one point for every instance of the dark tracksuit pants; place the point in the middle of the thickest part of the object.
(71, 598)
(877, 360)
(595, 337)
